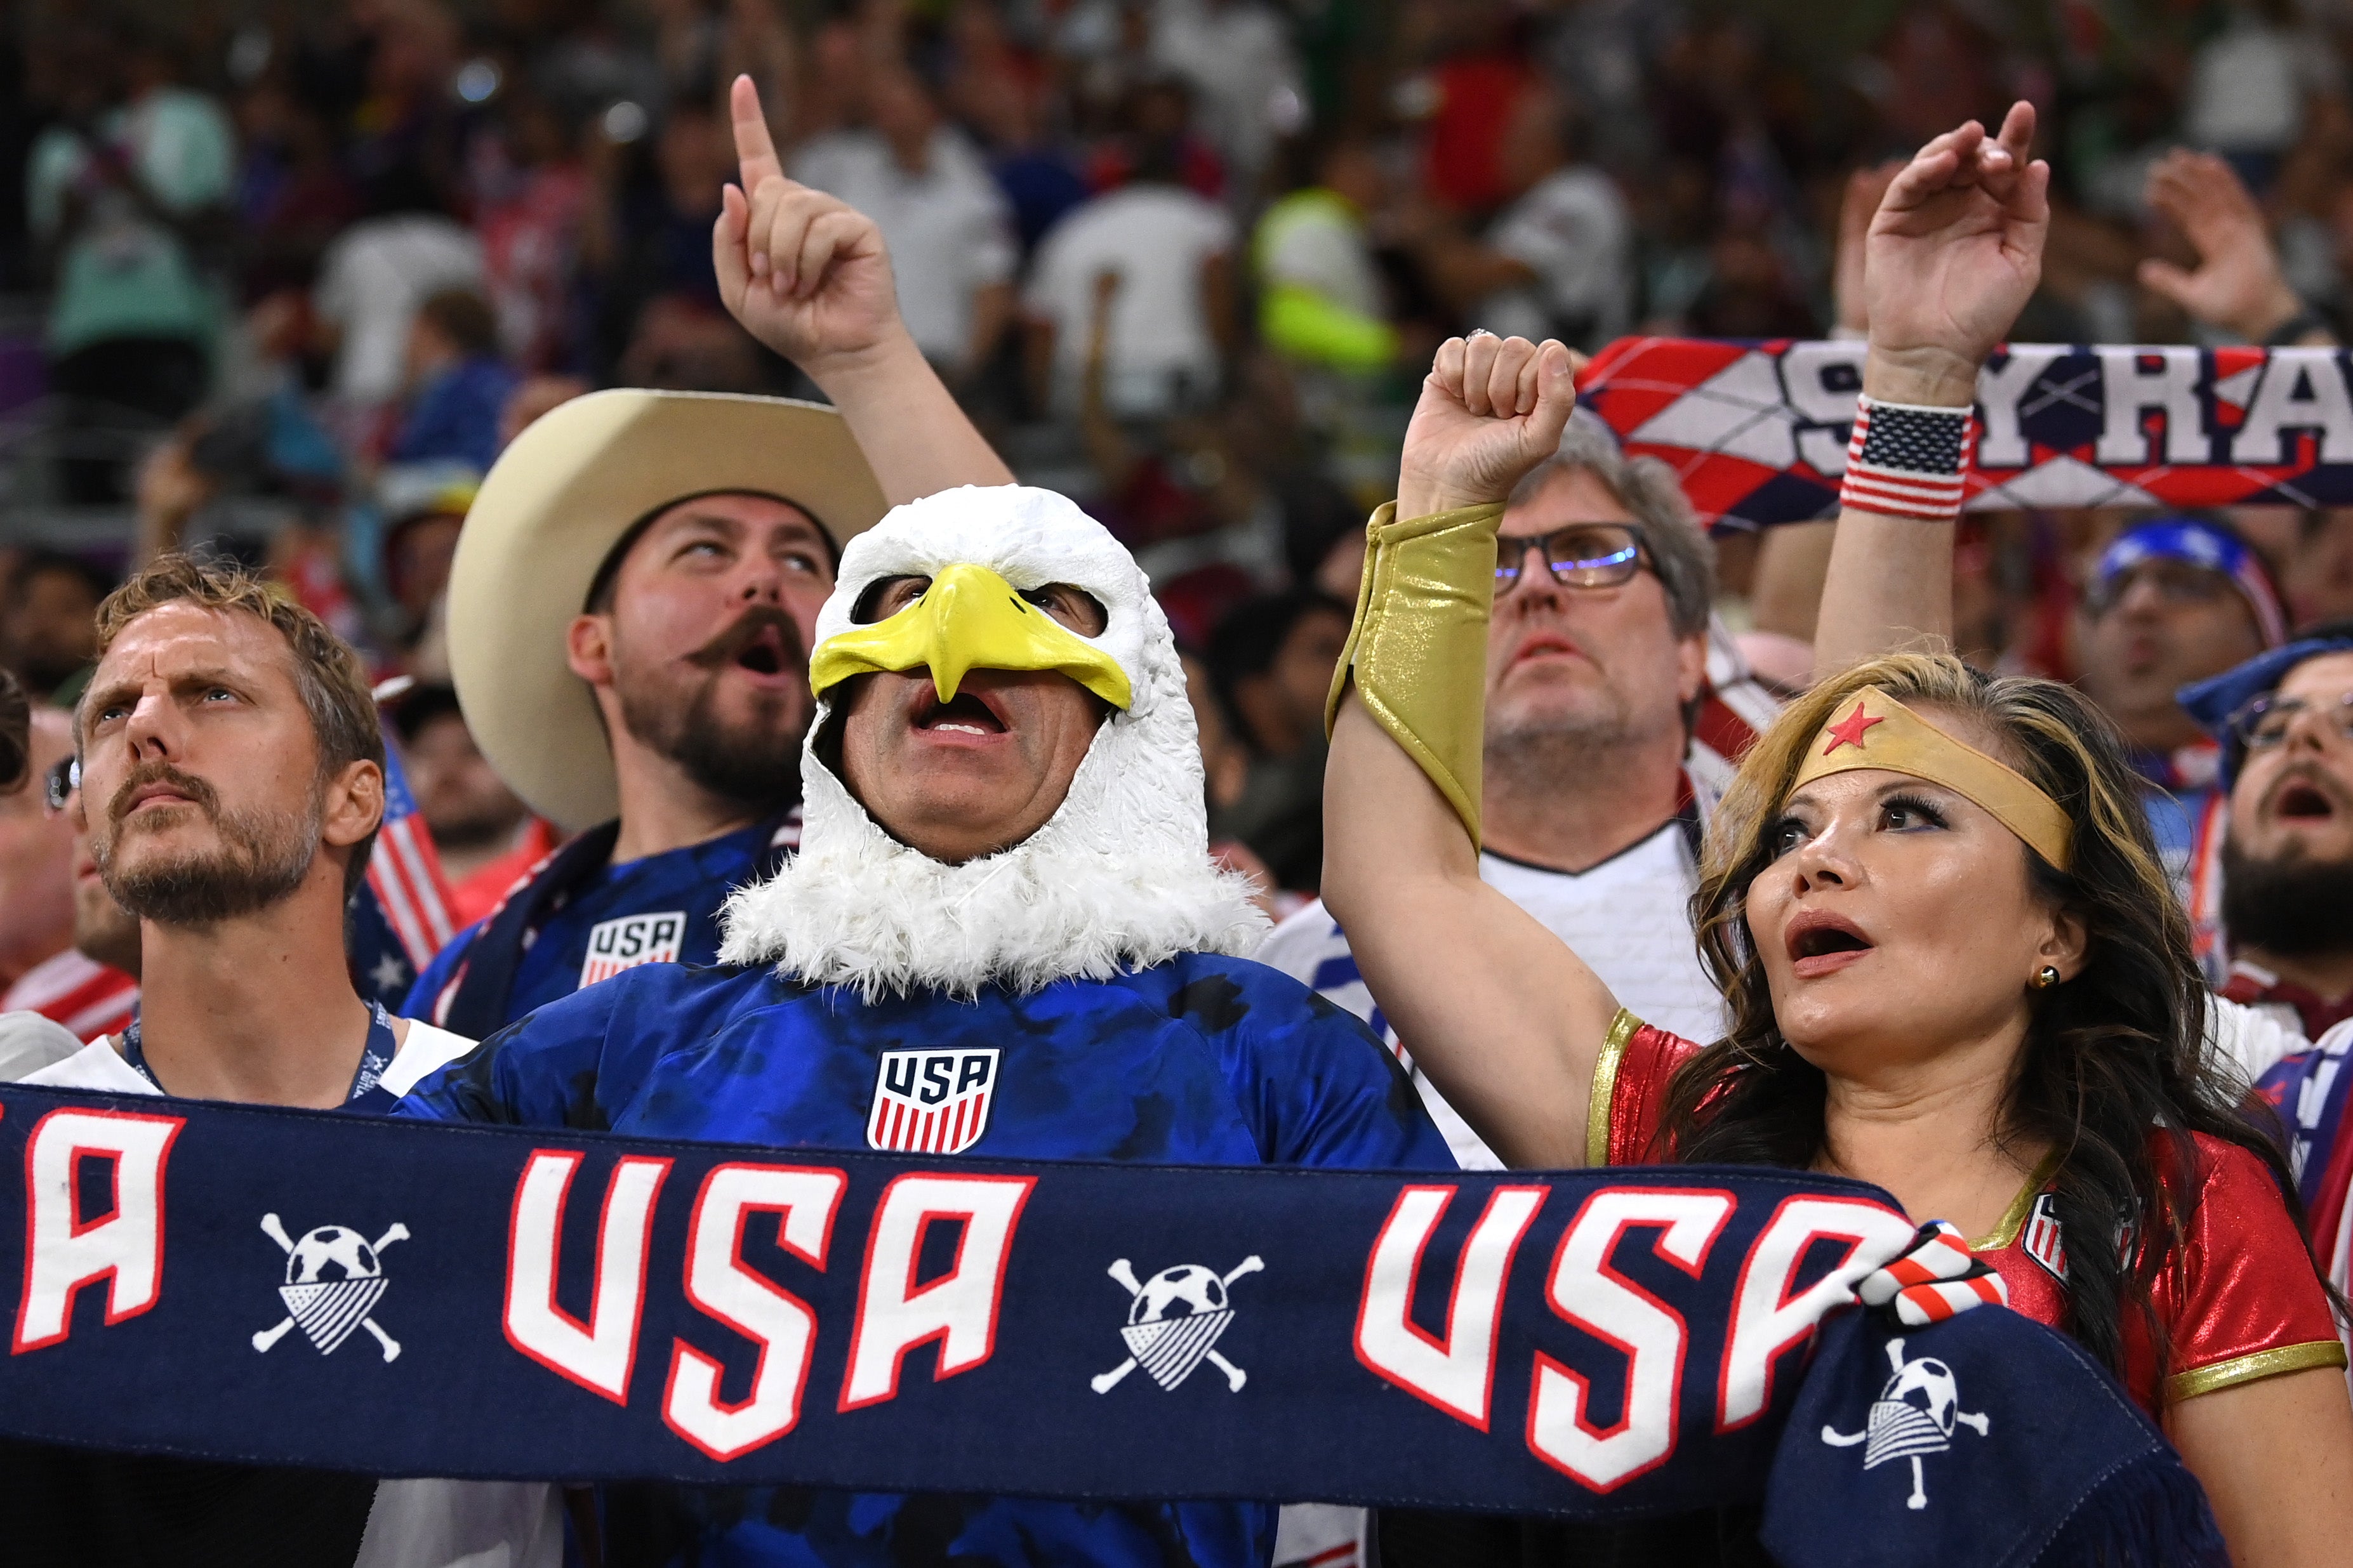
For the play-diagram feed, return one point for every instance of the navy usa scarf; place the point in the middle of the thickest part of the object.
(291, 1287)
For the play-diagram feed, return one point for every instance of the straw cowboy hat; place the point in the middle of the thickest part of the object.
(550, 512)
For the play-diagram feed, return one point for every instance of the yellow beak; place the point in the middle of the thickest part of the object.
(969, 618)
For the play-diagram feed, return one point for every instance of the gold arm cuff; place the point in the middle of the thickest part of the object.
(2249, 1368)
(1418, 649)
(1605, 1087)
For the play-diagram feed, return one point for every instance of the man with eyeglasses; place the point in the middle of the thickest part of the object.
(47, 904)
(1616, 711)
(2279, 890)
(2176, 600)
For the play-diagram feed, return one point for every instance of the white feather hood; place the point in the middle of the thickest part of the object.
(1118, 878)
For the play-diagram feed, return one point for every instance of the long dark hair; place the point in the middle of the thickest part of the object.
(2115, 1075)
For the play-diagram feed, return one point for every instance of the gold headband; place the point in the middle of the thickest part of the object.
(1878, 732)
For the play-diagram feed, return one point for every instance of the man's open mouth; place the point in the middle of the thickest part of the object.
(765, 654)
(2303, 801)
(963, 714)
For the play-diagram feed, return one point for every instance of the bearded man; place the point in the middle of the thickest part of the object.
(635, 589)
(2283, 878)
(1003, 935)
(232, 782)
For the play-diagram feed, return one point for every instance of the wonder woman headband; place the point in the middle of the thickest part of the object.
(1878, 732)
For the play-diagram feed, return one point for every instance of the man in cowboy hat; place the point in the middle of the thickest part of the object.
(637, 587)
(1003, 934)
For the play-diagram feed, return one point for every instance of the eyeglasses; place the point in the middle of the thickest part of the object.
(59, 783)
(1582, 555)
(2176, 582)
(2263, 722)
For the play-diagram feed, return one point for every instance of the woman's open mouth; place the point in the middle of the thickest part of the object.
(1823, 944)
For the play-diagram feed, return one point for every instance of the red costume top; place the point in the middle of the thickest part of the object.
(2238, 1300)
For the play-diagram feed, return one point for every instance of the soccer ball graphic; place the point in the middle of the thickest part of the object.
(329, 1254)
(1926, 1384)
(1178, 1293)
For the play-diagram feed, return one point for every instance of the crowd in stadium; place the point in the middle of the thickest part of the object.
(580, 553)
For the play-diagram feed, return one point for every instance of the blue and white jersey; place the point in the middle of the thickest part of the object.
(1199, 1060)
(661, 909)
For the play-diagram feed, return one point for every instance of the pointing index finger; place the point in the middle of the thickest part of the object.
(756, 149)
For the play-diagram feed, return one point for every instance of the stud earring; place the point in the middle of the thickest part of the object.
(2044, 978)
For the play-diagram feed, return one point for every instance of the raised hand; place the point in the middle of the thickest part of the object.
(806, 273)
(1490, 409)
(2237, 284)
(1952, 256)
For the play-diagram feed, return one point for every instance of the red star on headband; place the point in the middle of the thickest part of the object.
(1848, 731)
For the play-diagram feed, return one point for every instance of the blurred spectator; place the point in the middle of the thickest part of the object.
(48, 624)
(377, 273)
(1321, 297)
(1271, 663)
(292, 195)
(529, 189)
(48, 885)
(949, 228)
(1235, 56)
(645, 235)
(1172, 251)
(37, 911)
(423, 507)
(1567, 232)
(2249, 84)
(120, 188)
(486, 838)
(2174, 600)
(457, 382)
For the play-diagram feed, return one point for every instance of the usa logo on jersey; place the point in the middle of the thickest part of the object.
(931, 1102)
(2042, 1241)
(631, 940)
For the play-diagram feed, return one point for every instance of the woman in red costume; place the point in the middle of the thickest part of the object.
(1951, 962)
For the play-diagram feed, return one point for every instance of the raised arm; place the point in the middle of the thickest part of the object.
(1952, 256)
(1505, 1018)
(808, 275)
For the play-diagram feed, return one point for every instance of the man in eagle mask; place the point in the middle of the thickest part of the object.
(635, 592)
(1003, 858)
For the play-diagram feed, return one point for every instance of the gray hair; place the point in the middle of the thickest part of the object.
(1680, 550)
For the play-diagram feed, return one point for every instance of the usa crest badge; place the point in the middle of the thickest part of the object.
(628, 940)
(932, 1102)
(2042, 1241)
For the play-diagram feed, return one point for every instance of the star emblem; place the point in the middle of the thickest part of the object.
(390, 975)
(1848, 731)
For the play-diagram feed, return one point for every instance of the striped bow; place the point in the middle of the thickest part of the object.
(1935, 1278)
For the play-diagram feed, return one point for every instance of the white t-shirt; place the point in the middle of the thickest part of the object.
(949, 228)
(1573, 230)
(371, 281)
(413, 1523)
(1156, 237)
(1628, 918)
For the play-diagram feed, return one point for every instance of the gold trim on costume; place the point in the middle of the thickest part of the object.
(1878, 732)
(2248, 1368)
(1417, 648)
(2005, 1230)
(1605, 1085)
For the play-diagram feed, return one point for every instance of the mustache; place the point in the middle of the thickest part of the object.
(729, 644)
(203, 795)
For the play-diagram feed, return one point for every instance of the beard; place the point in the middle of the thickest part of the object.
(259, 861)
(754, 762)
(2295, 906)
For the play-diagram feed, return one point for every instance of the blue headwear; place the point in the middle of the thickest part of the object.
(2213, 700)
(2205, 544)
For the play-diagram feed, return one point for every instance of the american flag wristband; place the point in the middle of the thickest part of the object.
(1908, 460)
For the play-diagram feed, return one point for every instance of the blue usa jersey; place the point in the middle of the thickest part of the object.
(662, 909)
(1200, 1060)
